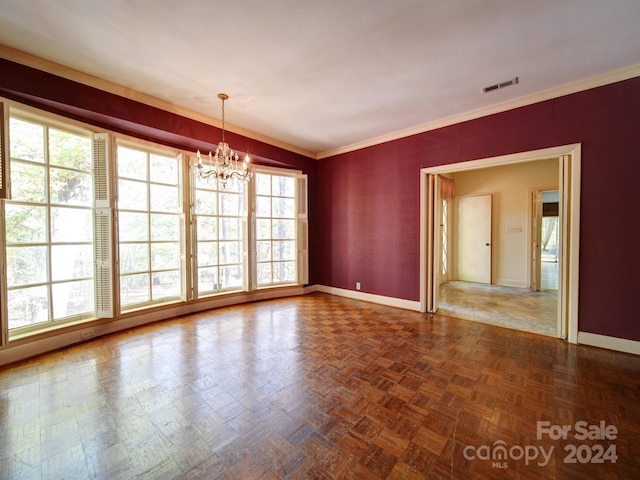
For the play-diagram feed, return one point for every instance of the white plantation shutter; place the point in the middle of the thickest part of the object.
(4, 152)
(303, 231)
(249, 245)
(183, 257)
(104, 228)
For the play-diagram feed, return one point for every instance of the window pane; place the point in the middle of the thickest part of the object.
(163, 169)
(71, 261)
(264, 251)
(230, 204)
(283, 207)
(229, 252)
(133, 227)
(284, 250)
(264, 273)
(134, 257)
(71, 225)
(134, 289)
(207, 279)
(165, 227)
(207, 253)
(207, 228)
(284, 272)
(165, 256)
(283, 186)
(263, 206)
(26, 140)
(206, 202)
(27, 183)
(69, 150)
(132, 163)
(284, 229)
(263, 184)
(229, 229)
(26, 265)
(25, 224)
(27, 306)
(166, 284)
(263, 229)
(164, 198)
(132, 195)
(72, 298)
(230, 276)
(70, 187)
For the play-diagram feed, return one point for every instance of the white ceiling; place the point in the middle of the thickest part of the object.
(322, 75)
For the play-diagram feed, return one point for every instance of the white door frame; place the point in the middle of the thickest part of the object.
(569, 187)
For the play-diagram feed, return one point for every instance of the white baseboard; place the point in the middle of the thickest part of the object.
(508, 282)
(64, 338)
(611, 343)
(370, 297)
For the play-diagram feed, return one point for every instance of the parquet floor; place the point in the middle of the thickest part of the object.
(318, 387)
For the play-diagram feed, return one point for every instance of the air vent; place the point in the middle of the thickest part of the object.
(506, 83)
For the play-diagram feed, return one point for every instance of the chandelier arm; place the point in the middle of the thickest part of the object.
(223, 164)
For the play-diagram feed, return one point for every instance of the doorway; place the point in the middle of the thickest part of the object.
(568, 229)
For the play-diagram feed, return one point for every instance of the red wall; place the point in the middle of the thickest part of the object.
(369, 199)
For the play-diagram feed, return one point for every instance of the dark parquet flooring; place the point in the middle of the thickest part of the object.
(319, 387)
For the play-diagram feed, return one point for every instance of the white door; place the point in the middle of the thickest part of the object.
(474, 239)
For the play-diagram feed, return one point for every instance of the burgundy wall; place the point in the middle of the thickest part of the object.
(369, 199)
(119, 114)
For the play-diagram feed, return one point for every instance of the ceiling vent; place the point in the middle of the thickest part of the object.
(506, 83)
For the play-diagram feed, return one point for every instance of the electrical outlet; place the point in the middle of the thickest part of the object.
(357, 285)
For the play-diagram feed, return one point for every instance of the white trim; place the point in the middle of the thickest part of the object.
(548, 94)
(610, 343)
(370, 297)
(571, 276)
(607, 78)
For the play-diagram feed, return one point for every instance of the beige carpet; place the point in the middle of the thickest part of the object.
(517, 308)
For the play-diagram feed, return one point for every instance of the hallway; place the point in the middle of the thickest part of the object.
(509, 307)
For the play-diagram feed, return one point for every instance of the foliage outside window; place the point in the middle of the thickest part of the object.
(275, 228)
(48, 225)
(149, 233)
(220, 236)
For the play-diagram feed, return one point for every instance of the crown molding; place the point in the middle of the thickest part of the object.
(551, 93)
(117, 89)
(59, 70)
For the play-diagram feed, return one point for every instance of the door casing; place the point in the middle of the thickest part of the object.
(569, 192)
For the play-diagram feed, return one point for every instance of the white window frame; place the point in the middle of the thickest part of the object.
(150, 149)
(301, 228)
(25, 114)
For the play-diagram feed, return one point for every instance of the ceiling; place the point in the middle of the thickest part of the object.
(324, 75)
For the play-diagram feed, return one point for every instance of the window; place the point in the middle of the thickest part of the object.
(220, 235)
(276, 248)
(149, 227)
(49, 225)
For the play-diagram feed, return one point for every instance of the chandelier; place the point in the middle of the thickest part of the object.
(223, 165)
